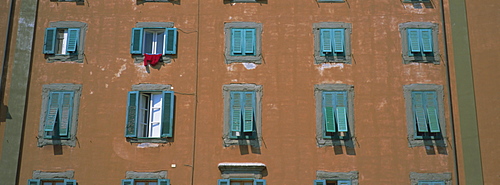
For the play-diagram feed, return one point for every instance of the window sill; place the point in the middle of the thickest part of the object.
(147, 140)
(256, 143)
(322, 142)
(331, 1)
(243, 59)
(166, 59)
(332, 59)
(63, 58)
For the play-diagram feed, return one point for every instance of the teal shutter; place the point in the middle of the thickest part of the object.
(424, 183)
(163, 181)
(249, 111)
(432, 111)
(53, 109)
(49, 46)
(167, 114)
(426, 40)
(249, 41)
(171, 41)
(329, 111)
(73, 35)
(127, 181)
(338, 35)
(136, 41)
(414, 40)
(132, 114)
(236, 41)
(236, 101)
(65, 113)
(341, 110)
(34, 182)
(326, 40)
(418, 109)
(259, 182)
(223, 182)
(69, 182)
(319, 182)
(343, 182)
(438, 183)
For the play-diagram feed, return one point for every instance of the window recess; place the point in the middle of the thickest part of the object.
(154, 41)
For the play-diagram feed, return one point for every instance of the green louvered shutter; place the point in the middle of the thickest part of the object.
(338, 35)
(127, 181)
(329, 111)
(236, 101)
(223, 182)
(167, 114)
(341, 111)
(249, 41)
(34, 182)
(171, 41)
(49, 46)
(414, 40)
(259, 182)
(163, 181)
(132, 114)
(432, 111)
(326, 40)
(236, 41)
(69, 182)
(136, 41)
(418, 109)
(73, 35)
(53, 111)
(343, 182)
(426, 40)
(248, 112)
(319, 182)
(65, 113)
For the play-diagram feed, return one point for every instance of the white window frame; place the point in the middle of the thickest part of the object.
(146, 115)
(154, 41)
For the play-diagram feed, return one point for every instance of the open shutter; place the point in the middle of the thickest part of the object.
(432, 111)
(249, 41)
(249, 110)
(236, 111)
(65, 114)
(259, 182)
(418, 108)
(136, 41)
(414, 40)
(319, 182)
(171, 41)
(223, 182)
(34, 182)
(236, 41)
(329, 111)
(127, 181)
(167, 114)
(163, 181)
(338, 35)
(326, 40)
(132, 113)
(344, 182)
(49, 46)
(69, 182)
(53, 111)
(341, 110)
(426, 40)
(73, 35)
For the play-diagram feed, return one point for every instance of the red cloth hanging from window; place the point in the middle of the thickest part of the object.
(151, 59)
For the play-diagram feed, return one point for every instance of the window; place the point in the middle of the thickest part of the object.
(153, 38)
(146, 182)
(64, 41)
(58, 120)
(241, 182)
(336, 178)
(334, 106)
(430, 178)
(425, 115)
(243, 42)
(150, 113)
(420, 43)
(51, 182)
(332, 42)
(242, 113)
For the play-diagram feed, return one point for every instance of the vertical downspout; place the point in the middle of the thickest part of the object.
(448, 87)
(193, 166)
(6, 49)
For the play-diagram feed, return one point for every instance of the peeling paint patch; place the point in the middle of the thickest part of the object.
(324, 66)
(234, 80)
(122, 68)
(148, 145)
(249, 65)
(382, 104)
(106, 85)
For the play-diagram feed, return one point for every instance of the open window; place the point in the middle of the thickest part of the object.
(242, 174)
(64, 41)
(153, 42)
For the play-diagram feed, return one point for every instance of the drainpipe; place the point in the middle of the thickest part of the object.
(6, 48)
